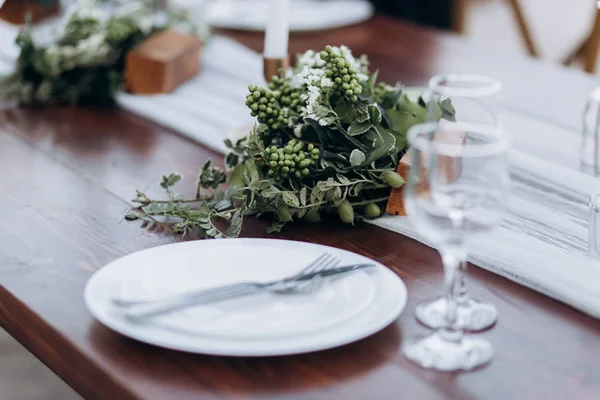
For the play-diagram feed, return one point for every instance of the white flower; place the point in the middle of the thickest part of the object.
(145, 23)
(92, 43)
(326, 82)
(310, 76)
(315, 109)
(313, 95)
(85, 9)
(298, 130)
(311, 99)
(310, 59)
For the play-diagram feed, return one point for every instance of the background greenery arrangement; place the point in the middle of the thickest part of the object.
(327, 140)
(84, 64)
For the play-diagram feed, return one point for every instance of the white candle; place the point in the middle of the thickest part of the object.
(278, 29)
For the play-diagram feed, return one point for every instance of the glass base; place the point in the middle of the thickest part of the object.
(462, 355)
(473, 315)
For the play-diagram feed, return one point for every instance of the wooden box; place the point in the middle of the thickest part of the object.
(15, 11)
(162, 62)
(395, 203)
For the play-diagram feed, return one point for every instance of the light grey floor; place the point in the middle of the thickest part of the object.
(24, 377)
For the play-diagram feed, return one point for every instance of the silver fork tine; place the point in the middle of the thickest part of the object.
(318, 266)
(331, 263)
(325, 264)
(310, 266)
(315, 284)
(315, 264)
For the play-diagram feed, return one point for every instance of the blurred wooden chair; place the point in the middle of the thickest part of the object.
(459, 10)
(588, 49)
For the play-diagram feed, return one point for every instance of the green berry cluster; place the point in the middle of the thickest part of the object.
(342, 73)
(264, 104)
(292, 160)
(290, 96)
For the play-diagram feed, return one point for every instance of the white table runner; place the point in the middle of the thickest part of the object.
(543, 240)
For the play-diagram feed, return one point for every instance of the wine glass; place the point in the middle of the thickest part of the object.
(462, 98)
(457, 190)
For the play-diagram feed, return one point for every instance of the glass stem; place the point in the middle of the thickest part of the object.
(452, 258)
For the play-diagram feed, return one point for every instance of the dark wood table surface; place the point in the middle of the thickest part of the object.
(66, 179)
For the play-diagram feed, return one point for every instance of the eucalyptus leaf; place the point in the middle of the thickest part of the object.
(374, 114)
(386, 120)
(358, 128)
(357, 158)
(336, 157)
(303, 195)
(345, 113)
(403, 120)
(170, 180)
(290, 199)
(362, 112)
(322, 133)
(132, 217)
(370, 86)
(330, 168)
(381, 147)
(410, 107)
(270, 192)
(391, 98)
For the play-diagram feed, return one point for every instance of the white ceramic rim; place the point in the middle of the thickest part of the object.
(489, 86)
(459, 150)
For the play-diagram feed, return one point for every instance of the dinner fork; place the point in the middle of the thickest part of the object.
(145, 309)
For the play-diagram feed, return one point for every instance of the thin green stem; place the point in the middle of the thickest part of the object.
(365, 202)
(229, 210)
(379, 186)
(378, 132)
(146, 202)
(157, 222)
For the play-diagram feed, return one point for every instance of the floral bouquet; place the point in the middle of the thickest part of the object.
(86, 61)
(327, 140)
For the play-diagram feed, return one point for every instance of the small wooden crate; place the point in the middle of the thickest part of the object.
(162, 62)
(395, 203)
(15, 11)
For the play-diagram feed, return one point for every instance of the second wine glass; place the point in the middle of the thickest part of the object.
(457, 190)
(472, 99)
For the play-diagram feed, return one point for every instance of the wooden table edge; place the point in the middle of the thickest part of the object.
(55, 351)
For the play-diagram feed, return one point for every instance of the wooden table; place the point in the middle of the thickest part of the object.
(66, 178)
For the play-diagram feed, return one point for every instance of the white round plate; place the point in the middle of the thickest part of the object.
(305, 15)
(341, 311)
(146, 276)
